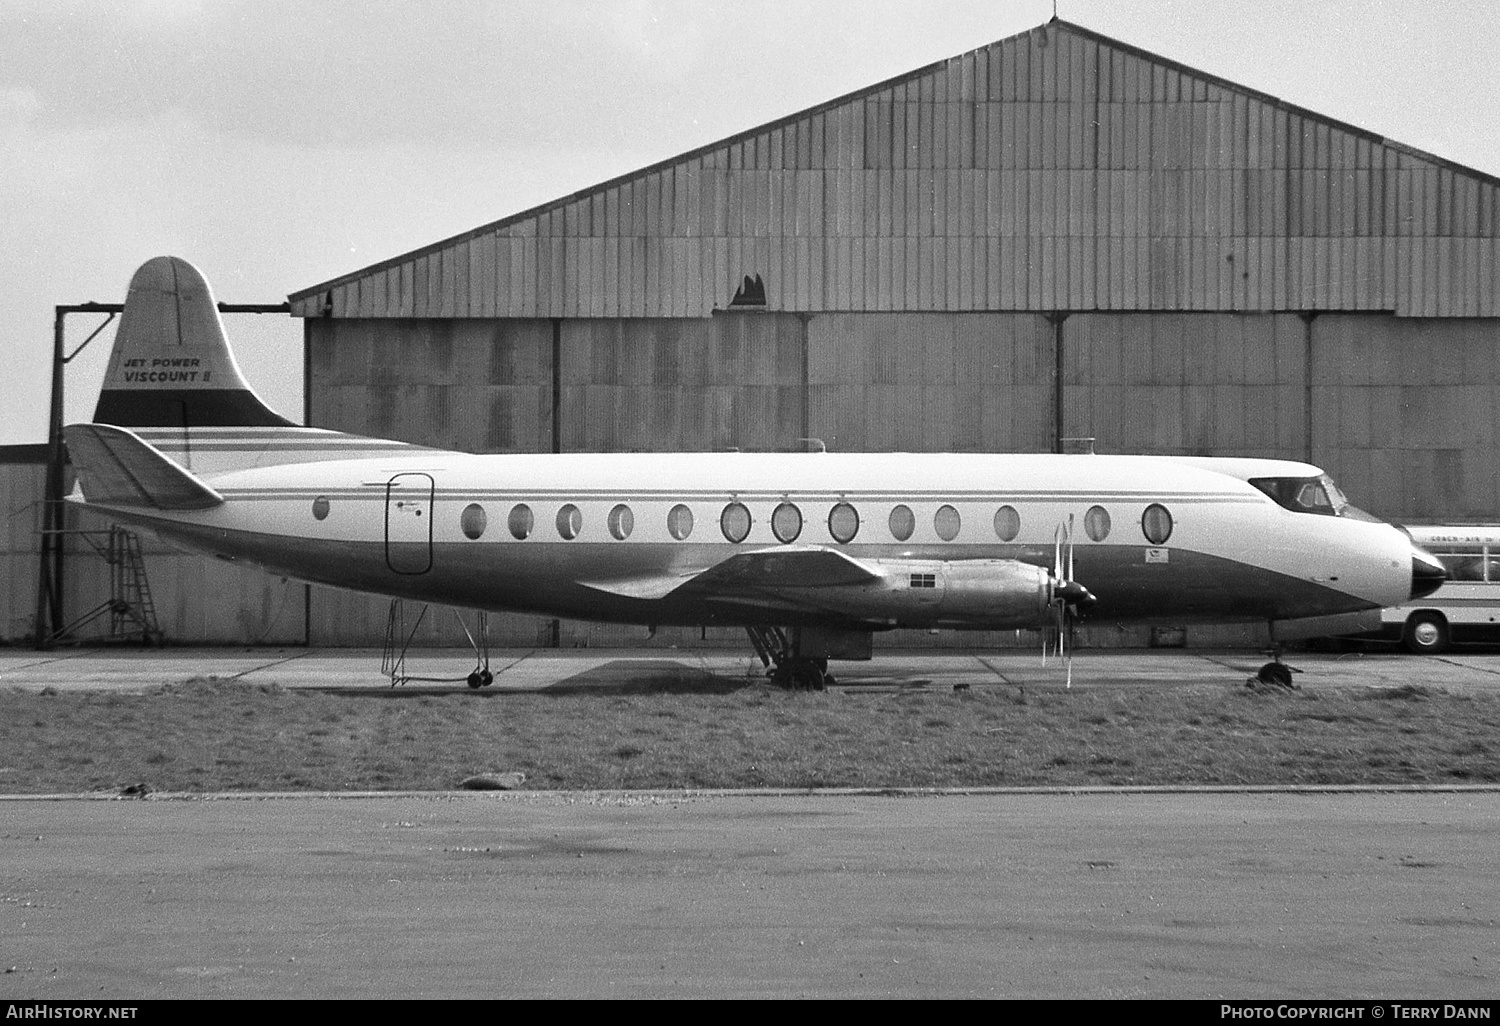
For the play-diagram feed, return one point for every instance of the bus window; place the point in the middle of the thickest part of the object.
(1469, 567)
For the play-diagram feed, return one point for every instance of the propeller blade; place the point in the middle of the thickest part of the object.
(1066, 599)
(1069, 536)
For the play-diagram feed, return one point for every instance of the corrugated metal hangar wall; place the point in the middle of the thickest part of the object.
(1055, 235)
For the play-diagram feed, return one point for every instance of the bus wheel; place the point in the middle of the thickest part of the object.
(1426, 634)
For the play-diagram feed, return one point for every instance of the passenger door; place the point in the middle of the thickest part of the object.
(408, 523)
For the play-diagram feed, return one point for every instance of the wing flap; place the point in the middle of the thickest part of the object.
(116, 468)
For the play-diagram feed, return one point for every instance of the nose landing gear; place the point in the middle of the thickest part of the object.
(1276, 674)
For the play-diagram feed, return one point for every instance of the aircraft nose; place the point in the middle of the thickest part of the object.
(1427, 574)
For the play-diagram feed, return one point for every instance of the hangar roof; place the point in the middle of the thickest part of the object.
(1056, 169)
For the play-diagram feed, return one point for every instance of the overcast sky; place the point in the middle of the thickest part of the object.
(278, 144)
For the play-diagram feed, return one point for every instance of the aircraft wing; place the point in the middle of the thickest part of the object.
(750, 578)
(801, 567)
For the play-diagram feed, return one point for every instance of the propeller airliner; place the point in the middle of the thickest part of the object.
(813, 553)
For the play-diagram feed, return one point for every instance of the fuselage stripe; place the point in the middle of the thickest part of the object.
(378, 492)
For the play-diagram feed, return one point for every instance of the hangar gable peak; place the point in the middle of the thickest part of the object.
(1056, 169)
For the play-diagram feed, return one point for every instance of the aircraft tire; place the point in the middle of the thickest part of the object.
(474, 680)
(1426, 633)
(1278, 674)
(806, 675)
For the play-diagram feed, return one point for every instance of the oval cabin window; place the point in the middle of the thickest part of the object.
(320, 508)
(903, 523)
(946, 523)
(1156, 524)
(472, 521)
(843, 522)
(521, 521)
(1007, 523)
(1096, 523)
(786, 523)
(735, 522)
(569, 521)
(621, 522)
(680, 522)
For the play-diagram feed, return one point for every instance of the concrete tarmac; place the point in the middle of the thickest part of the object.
(135, 669)
(1270, 896)
(1264, 896)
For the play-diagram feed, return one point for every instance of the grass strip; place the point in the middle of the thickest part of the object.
(698, 731)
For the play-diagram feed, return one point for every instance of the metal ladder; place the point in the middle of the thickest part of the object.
(132, 586)
(131, 609)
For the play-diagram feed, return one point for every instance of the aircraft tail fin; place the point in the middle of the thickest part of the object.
(174, 384)
(171, 366)
(117, 468)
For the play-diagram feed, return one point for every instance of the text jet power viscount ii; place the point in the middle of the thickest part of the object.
(812, 552)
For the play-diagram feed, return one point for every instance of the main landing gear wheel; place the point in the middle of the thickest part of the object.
(806, 675)
(1279, 674)
(481, 679)
(800, 674)
(797, 672)
(1426, 634)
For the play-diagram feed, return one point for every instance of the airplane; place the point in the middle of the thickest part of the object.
(813, 553)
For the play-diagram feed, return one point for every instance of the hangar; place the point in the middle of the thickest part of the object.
(1054, 236)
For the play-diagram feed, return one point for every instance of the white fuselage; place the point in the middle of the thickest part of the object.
(605, 536)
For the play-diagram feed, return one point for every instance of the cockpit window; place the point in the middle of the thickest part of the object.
(1313, 496)
(1305, 494)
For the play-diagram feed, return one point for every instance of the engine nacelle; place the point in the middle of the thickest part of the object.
(994, 593)
(989, 594)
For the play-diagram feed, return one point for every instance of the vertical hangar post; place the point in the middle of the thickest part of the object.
(1055, 235)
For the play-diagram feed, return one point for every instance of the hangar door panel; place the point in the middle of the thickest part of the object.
(474, 385)
(931, 382)
(734, 380)
(1406, 413)
(1186, 383)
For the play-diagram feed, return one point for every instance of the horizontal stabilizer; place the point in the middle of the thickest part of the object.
(116, 468)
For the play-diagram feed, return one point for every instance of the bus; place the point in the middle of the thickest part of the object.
(1467, 608)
